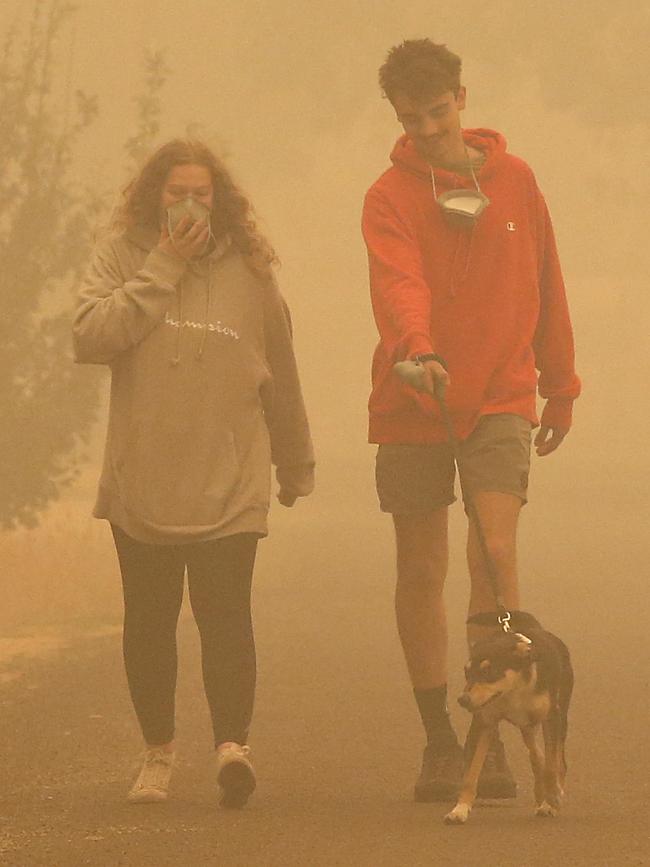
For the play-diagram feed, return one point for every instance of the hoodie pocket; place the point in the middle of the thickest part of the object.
(179, 483)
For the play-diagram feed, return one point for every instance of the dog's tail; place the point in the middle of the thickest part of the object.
(566, 687)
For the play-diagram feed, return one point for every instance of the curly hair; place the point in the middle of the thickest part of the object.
(420, 69)
(140, 205)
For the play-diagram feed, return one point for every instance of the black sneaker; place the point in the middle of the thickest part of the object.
(442, 771)
(495, 780)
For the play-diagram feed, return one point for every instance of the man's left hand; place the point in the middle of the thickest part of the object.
(548, 439)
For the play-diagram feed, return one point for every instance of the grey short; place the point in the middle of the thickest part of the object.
(414, 479)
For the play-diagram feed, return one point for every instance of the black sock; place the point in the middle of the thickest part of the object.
(432, 704)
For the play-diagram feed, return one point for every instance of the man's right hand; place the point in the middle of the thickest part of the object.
(435, 379)
(188, 239)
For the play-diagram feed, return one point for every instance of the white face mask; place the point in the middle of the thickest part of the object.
(465, 204)
(196, 211)
(188, 206)
(461, 206)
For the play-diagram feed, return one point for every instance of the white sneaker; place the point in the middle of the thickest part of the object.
(235, 774)
(153, 781)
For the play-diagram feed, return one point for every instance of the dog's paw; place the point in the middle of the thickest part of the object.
(546, 811)
(458, 816)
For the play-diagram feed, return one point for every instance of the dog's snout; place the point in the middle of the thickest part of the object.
(465, 701)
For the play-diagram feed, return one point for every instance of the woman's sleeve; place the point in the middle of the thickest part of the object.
(291, 446)
(113, 312)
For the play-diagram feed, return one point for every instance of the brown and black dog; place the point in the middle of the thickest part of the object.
(523, 676)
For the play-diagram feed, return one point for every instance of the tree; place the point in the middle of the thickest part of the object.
(47, 219)
(149, 108)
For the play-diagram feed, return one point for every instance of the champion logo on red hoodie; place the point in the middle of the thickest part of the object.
(490, 300)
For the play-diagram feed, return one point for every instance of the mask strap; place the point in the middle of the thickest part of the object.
(433, 184)
(470, 167)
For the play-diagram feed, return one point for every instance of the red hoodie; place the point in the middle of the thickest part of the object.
(490, 300)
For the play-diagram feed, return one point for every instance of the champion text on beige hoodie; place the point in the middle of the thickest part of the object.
(204, 390)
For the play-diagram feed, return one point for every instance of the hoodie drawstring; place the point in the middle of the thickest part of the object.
(176, 358)
(457, 282)
(208, 304)
(454, 266)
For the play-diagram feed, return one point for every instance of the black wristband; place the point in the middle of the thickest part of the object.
(431, 356)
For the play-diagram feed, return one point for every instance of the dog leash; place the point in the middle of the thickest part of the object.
(411, 372)
(503, 613)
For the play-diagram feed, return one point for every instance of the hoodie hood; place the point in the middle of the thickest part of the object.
(404, 155)
(147, 237)
(144, 237)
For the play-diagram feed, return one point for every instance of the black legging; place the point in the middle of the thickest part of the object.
(219, 579)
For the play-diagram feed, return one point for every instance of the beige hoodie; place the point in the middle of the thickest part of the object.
(204, 391)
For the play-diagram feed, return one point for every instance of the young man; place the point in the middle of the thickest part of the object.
(477, 298)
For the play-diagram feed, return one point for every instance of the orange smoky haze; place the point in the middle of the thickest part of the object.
(287, 92)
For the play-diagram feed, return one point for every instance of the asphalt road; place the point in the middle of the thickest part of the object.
(336, 741)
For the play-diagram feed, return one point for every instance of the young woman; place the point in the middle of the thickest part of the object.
(183, 306)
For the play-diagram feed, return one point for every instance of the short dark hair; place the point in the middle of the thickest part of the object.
(420, 69)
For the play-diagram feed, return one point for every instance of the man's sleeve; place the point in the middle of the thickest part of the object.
(401, 298)
(553, 342)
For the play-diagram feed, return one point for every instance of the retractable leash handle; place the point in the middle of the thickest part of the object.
(411, 372)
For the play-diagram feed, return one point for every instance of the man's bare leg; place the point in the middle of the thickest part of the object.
(422, 558)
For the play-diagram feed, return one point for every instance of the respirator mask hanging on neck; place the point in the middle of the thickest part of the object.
(461, 207)
(195, 210)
